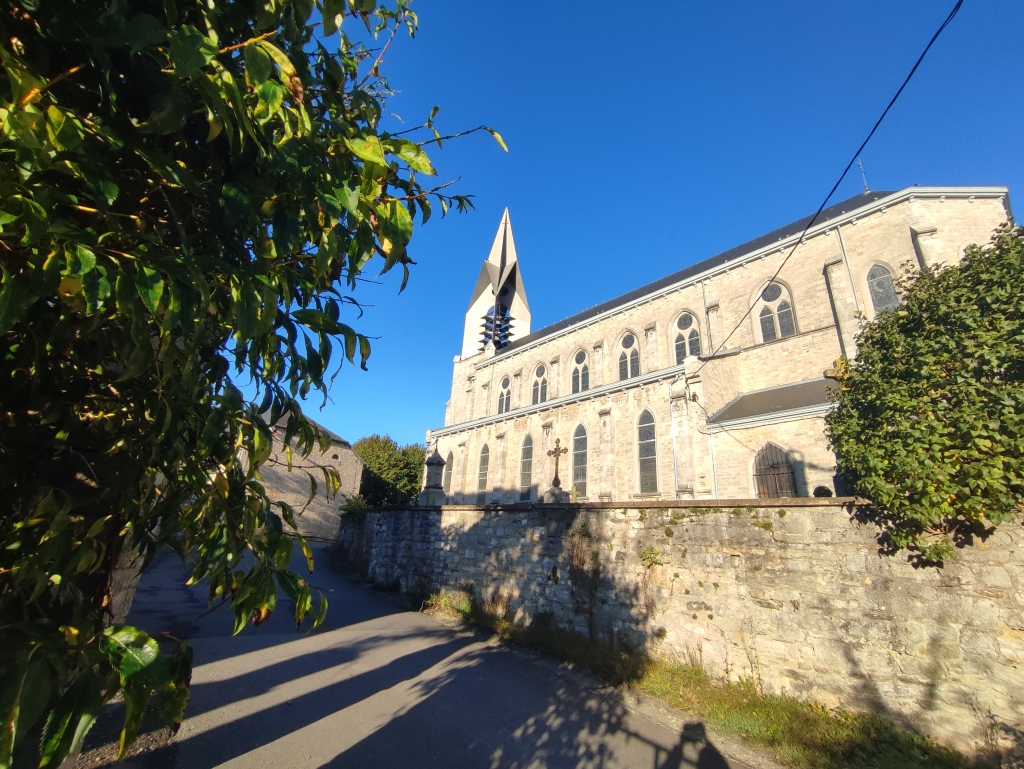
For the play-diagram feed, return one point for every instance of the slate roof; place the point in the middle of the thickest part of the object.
(774, 399)
(795, 228)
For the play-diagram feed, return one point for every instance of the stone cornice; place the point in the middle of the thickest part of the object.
(908, 194)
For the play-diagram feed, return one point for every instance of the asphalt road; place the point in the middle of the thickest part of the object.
(380, 686)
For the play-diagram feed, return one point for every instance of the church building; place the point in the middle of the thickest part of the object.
(710, 383)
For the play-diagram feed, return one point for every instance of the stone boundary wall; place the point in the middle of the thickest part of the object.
(793, 594)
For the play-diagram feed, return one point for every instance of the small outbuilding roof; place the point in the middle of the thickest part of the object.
(774, 400)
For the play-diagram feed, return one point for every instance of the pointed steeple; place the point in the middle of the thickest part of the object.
(498, 311)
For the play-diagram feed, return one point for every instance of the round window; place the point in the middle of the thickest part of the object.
(540, 371)
(627, 341)
(771, 292)
(685, 321)
(581, 356)
(504, 383)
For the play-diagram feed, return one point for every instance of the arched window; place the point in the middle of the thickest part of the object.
(449, 465)
(580, 373)
(481, 481)
(629, 358)
(505, 396)
(688, 338)
(526, 469)
(647, 451)
(773, 473)
(579, 461)
(882, 289)
(540, 385)
(776, 315)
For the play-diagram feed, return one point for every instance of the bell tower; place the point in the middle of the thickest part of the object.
(498, 311)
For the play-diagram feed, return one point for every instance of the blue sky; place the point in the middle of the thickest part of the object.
(644, 138)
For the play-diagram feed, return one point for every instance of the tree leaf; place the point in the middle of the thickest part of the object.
(411, 153)
(136, 697)
(280, 59)
(150, 286)
(258, 66)
(134, 655)
(190, 51)
(70, 720)
(145, 31)
(497, 138)
(367, 148)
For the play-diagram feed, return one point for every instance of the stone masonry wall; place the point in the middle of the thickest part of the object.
(793, 594)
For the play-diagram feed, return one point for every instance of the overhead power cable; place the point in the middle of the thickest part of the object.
(949, 18)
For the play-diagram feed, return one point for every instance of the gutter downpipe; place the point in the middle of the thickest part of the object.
(849, 271)
(675, 432)
(714, 463)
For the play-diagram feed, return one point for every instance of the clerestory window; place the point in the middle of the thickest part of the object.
(505, 396)
(775, 318)
(540, 385)
(580, 373)
(688, 338)
(629, 358)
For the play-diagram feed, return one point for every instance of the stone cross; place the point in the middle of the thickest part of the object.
(555, 452)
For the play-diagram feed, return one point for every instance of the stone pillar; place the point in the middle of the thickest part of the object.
(433, 490)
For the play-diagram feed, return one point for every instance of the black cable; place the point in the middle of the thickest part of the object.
(949, 18)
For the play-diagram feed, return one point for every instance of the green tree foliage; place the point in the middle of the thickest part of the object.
(186, 189)
(393, 475)
(929, 423)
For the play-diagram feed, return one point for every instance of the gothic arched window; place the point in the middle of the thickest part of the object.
(526, 469)
(540, 385)
(629, 358)
(882, 289)
(481, 481)
(776, 314)
(504, 396)
(773, 473)
(647, 452)
(448, 467)
(580, 373)
(579, 461)
(688, 338)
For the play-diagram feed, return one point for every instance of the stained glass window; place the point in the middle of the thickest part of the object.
(882, 289)
(647, 451)
(579, 461)
(481, 482)
(526, 469)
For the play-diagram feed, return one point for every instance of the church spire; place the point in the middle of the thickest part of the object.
(498, 311)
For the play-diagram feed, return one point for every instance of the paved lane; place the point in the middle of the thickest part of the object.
(380, 686)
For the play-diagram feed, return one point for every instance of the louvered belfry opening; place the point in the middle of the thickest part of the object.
(773, 473)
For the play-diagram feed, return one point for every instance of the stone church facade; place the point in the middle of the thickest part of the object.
(655, 395)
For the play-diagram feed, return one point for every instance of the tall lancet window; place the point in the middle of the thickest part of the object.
(647, 452)
(688, 338)
(629, 358)
(449, 465)
(775, 317)
(481, 481)
(579, 461)
(580, 373)
(505, 396)
(540, 385)
(882, 289)
(526, 469)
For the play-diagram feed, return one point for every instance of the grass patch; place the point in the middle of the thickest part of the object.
(801, 734)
